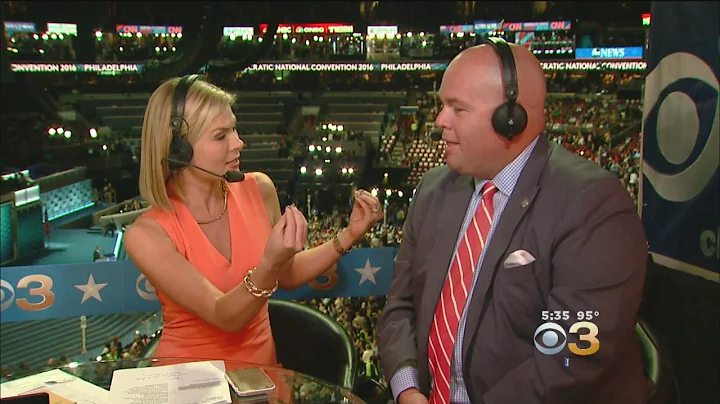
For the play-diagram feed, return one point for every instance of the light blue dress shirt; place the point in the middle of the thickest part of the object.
(407, 377)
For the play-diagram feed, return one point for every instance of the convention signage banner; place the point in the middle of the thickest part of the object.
(680, 191)
(537, 26)
(631, 52)
(55, 67)
(270, 66)
(316, 28)
(12, 26)
(148, 29)
(73, 290)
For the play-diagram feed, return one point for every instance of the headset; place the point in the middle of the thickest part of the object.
(510, 118)
(181, 151)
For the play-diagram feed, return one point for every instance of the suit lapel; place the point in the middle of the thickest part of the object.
(519, 203)
(451, 210)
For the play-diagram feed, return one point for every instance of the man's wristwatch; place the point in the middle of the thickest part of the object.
(338, 246)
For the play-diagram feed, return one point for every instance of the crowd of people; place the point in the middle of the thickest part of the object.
(113, 350)
(599, 128)
(358, 315)
(587, 126)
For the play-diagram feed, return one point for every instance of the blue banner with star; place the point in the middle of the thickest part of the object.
(73, 290)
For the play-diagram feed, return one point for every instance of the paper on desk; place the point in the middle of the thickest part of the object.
(34, 382)
(186, 383)
(80, 392)
(67, 386)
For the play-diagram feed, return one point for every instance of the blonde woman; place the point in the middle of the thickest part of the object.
(214, 249)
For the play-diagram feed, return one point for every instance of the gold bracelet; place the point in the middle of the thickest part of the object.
(338, 247)
(256, 291)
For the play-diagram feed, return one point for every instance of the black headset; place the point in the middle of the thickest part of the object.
(510, 118)
(181, 151)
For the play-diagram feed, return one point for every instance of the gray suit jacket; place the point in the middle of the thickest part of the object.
(580, 224)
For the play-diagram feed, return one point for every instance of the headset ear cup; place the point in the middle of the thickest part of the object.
(500, 120)
(520, 117)
(502, 114)
(185, 151)
(181, 153)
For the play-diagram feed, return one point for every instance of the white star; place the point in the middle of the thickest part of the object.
(91, 289)
(367, 272)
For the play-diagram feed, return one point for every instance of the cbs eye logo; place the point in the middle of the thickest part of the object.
(145, 289)
(682, 156)
(550, 338)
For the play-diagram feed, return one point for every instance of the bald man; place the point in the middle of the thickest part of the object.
(511, 234)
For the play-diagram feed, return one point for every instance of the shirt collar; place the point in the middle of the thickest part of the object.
(506, 179)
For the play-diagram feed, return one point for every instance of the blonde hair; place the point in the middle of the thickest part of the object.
(203, 104)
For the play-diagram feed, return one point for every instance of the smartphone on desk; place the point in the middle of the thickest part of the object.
(249, 382)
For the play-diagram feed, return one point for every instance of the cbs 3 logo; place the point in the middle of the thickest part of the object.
(680, 121)
(550, 335)
(30, 282)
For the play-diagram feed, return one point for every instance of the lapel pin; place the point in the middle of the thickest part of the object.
(525, 203)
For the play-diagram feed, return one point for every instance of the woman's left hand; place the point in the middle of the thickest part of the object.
(366, 212)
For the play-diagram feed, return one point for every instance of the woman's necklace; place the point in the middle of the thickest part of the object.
(225, 198)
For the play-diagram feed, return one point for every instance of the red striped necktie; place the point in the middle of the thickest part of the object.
(454, 294)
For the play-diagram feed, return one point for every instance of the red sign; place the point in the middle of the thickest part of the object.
(147, 29)
(317, 29)
(512, 26)
(646, 17)
(537, 26)
(560, 25)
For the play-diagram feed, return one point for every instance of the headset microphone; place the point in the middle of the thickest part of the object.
(234, 176)
(230, 176)
(436, 134)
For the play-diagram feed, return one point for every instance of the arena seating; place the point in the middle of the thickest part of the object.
(599, 128)
(586, 125)
(424, 156)
(34, 342)
(359, 111)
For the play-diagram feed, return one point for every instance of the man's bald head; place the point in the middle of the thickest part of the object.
(482, 64)
(472, 89)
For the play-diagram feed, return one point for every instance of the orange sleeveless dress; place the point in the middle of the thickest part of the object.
(184, 334)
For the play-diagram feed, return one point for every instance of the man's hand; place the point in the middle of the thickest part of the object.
(412, 396)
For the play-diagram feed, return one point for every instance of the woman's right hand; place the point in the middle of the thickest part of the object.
(286, 239)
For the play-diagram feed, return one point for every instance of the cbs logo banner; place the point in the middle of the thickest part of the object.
(363, 272)
(550, 338)
(680, 191)
(73, 290)
(139, 294)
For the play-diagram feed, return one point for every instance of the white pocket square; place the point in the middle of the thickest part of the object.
(518, 258)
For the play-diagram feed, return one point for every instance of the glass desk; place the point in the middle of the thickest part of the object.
(291, 387)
